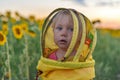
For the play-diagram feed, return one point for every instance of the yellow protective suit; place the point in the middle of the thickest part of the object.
(81, 67)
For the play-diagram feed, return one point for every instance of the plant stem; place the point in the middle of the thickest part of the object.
(8, 61)
(27, 57)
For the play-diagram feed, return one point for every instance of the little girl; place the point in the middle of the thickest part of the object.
(68, 40)
(63, 31)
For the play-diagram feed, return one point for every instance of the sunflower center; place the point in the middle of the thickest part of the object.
(17, 31)
(1, 37)
(24, 28)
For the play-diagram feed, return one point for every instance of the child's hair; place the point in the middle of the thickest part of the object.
(62, 12)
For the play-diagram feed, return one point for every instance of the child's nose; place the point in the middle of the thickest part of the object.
(64, 32)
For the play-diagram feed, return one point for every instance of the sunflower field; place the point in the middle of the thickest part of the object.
(20, 49)
(107, 54)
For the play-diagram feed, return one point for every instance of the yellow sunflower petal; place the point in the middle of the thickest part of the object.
(2, 38)
(24, 27)
(32, 34)
(5, 29)
(17, 31)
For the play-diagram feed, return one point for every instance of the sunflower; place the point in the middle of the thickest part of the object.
(17, 31)
(8, 14)
(31, 33)
(7, 75)
(32, 18)
(41, 23)
(5, 29)
(24, 27)
(2, 38)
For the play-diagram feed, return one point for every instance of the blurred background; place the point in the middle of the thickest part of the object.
(20, 27)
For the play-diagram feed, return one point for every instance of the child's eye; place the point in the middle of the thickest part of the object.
(59, 28)
(71, 29)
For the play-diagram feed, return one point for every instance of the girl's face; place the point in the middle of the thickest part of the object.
(63, 31)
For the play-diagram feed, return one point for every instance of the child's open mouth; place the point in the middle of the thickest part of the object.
(63, 41)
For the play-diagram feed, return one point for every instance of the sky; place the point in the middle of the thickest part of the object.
(108, 11)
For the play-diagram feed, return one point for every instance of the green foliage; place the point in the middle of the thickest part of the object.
(23, 53)
(107, 56)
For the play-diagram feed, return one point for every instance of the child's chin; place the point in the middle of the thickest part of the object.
(63, 47)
